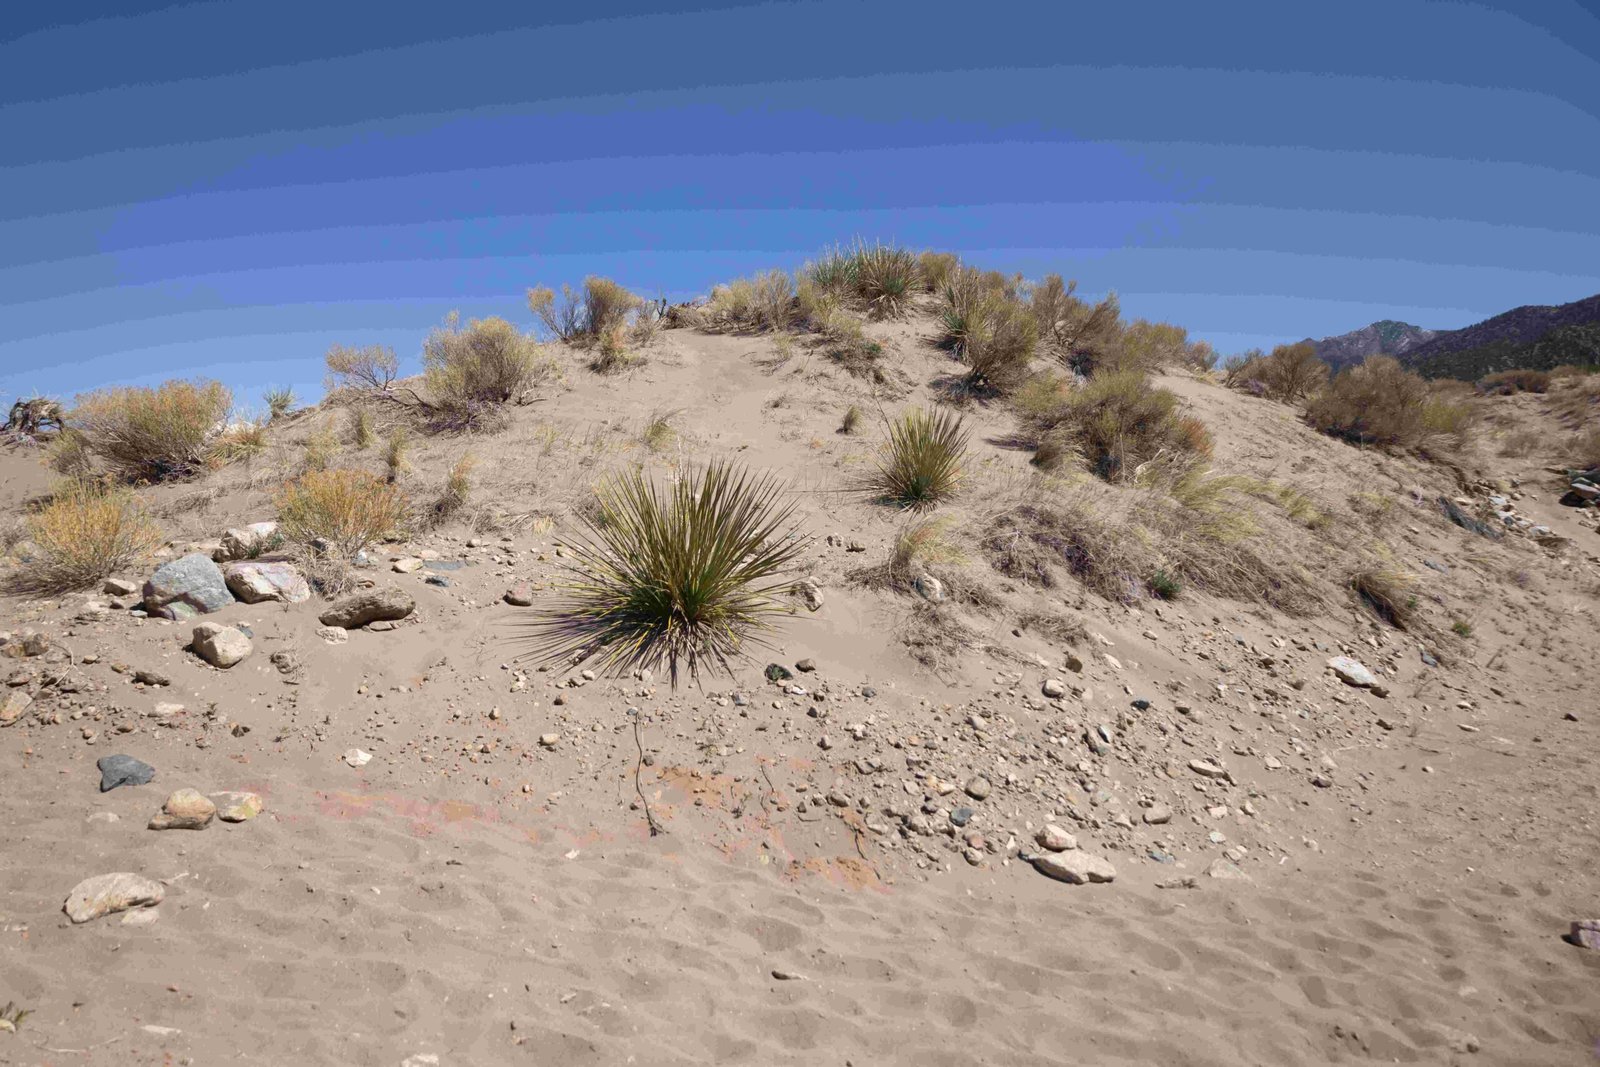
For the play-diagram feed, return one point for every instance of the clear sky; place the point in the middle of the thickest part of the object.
(227, 188)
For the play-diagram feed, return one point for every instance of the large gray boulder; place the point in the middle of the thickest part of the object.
(188, 586)
(372, 605)
(254, 582)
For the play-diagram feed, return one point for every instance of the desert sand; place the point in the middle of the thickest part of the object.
(1365, 878)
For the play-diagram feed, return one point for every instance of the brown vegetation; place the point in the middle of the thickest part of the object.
(85, 533)
(144, 434)
(1379, 402)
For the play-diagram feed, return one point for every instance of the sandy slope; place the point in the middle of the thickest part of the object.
(474, 895)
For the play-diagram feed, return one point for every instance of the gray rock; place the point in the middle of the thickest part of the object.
(372, 605)
(221, 646)
(1351, 672)
(189, 586)
(1585, 933)
(1053, 688)
(1227, 870)
(123, 770)
(107, 893)
(1075, 866)
(979, 788)
(1157, 815)
(247, 542)
(120, 587)
(810, 592)
(254, 582)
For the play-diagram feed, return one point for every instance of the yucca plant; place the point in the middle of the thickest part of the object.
(921, 463)
(886, 278)
(686, 574)
(279, 402)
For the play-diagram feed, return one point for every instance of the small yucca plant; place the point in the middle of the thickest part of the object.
(921, 463)
(886, 278)
(685, 574)
(279, 402)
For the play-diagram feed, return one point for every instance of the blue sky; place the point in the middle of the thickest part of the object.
(227, 188)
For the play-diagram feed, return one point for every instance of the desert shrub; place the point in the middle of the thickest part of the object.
(927, 547)
(153, 434)
(471, 370)
(606, 306)
(561, 315)
(966, 294)
(1165, 586)
(1585, 449)
(648, 319)
(280, 402)
(612, 353)
(244, 438)
(998, 349)
(1200, 356)
(922, 462)
(1289, 373)
(1033, 542)
(362, 434)
(877, 278)
(686, 574)
(348, 510)
(1379, 402)
(763, 302)
(373, 367)
(1461, 628)
(1082, 336)
(936, 268)
(70, 455)
(1117, 421)
(1506, 382)
(395, 454)
(321, 447)
(1577, 399)
(1148, 346)
(845, 341)
(455, 492)
(1389, 592)
(1241, 368)
(84, 534)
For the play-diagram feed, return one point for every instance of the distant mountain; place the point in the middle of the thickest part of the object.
(1535, 336)
(1385, 338)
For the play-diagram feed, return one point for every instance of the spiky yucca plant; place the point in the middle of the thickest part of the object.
(921, 463)
(683, 574)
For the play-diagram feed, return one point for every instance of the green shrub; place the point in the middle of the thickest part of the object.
(922, 463)
(879, 279)
(1165, 586)
(279, 402)
(688, 574)
(154, 434)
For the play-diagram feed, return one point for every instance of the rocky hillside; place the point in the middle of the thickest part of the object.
(1536, 337)
(1387, 337)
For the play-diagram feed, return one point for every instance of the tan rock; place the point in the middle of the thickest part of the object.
(236, 807)
(107, 893)
(186, 809)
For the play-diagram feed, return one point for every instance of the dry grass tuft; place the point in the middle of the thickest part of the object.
(658, 432)
(765, 302)
(395, 454)
(362, 434)
(456, 491)
(144, 434)
(243, 439)
(852, 419)
(85, 534)
(1389, 592)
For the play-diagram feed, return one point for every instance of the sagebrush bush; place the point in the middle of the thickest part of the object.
(471, 370)
(687, 574)
(765, 302)
(1379, 402)
(562, 315)
(1506, 382)
(1001, 336)
(1084, 337)
(606, 306)
(1149, 346)
(936, 269)
(1289, 373)
(348, 510)
(156, 434)
(372, 367)
(923, 460)
(1117, 421)
(85, 534)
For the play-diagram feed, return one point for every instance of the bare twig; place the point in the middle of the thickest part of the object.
(649, 816)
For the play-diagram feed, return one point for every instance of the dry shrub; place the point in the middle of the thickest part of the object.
(561, 315)
(1585, 449)
(69, 455)
(1148, 346)
(395, 454)
(1034, 542)
(321, 446)
(936, 268)
(765, 302)
(457, 489)
(590, 316)
(611, 352)
(362, 434)
(1060, 628)
(471, 371)
(649, 317)
(927, 547)
(345, 510)
(1117, 421)
(845, 341)
(153, 435)
(1506, 382)
(1200, 356)
(967, 293)
(1084, 337)
(1577, 401)
(372, 367)
(244, 439)
(852, 419)
(1389, 592)
(84, 534)
(606, 306)
(1289, 373)
(1379, 402)
(998, 349)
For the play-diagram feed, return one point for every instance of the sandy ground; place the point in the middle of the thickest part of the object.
(474, 895)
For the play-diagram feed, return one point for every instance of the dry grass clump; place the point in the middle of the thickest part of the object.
(923, 460)
(1585, 449)
(85, 534)
(1034, 542)
(928, 547)
(470, 371)
(396, 454)
(1117, 421)
(765, 302)
(1060, 628)
(455, 492)
(1389, 592)
(1290, 373)
(998, 347)
(1379, 402)
(321, 448)
(690, 573)
(844, 337)
(362, 434)
(373, 367)
(658, 432)
(1506, 382)
(69, 455)
(936, 268)
(244, 439)
(1577, 400)
(852, 419)
(144, 434)
(345, 510)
